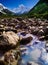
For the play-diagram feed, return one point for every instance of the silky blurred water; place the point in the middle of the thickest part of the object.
(35, 52)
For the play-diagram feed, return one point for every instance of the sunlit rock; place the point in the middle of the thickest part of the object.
(10, 37)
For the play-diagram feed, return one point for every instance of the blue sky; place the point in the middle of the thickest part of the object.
(16, 4)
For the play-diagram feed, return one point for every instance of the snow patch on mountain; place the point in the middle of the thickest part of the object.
(21, 9)
(2, 7)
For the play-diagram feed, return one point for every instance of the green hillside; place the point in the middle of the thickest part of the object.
(39, 10)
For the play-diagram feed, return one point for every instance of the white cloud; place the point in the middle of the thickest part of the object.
(21, 9)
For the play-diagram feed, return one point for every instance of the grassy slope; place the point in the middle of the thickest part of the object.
(40, 10)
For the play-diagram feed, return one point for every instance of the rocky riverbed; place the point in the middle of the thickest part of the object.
(23, 41)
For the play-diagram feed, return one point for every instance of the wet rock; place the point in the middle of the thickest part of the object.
(25, 41)
(17, 26)
(42, 38)
(35, 32)
(29, 63)
(46, 46)
(40, 33)
(23, 33)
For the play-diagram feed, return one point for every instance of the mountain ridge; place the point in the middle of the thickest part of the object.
(40, 10)
(5, 11)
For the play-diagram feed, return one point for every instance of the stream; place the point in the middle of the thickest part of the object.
(34, 53)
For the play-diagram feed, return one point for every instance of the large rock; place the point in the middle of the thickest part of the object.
(8, 40)
(25, 41)
(25, 38)
(10, 37)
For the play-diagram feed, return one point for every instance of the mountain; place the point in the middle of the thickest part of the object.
(5, 11)
(17, 11)
(39, 10)
(21, 9)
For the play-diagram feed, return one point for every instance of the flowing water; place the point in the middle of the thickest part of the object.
(35, 53)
